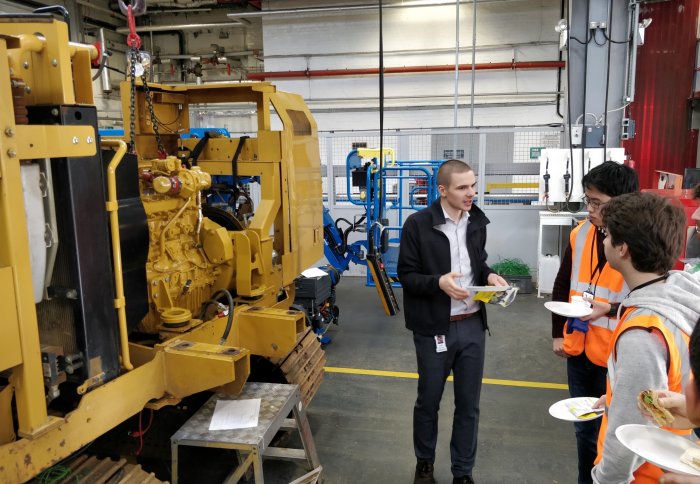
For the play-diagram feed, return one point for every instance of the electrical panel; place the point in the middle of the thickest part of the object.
(557, 163)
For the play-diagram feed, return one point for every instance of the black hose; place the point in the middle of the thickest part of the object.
(229, 322)
(101, 67)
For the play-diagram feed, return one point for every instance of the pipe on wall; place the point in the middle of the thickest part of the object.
(259, 76)
(168, 28)
(344, 8)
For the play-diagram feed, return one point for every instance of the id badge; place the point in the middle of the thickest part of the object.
(588, 296)
(440, 344)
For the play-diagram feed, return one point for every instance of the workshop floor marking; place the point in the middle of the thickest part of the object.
(414, 376)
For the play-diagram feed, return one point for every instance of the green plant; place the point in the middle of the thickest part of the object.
(511, 267)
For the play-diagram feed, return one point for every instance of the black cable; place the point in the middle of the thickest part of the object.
(115, 70)
(583, 134)
(568, 89)
(234, 160)
(607, 85)
(100, 67)
(595, 39)
(588, 39)
(229, 321)
(615, 41)
(561, 15)
(381, 107)
(59, 9)
(341, 219)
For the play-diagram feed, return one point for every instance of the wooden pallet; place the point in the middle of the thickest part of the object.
(304, 365)
(90, 469)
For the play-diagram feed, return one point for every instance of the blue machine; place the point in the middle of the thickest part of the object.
(388, 194)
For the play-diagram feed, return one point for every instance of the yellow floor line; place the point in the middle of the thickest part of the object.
(414, 376)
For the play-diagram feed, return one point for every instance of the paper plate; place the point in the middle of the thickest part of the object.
(562, 409)
(658, 446)
(567, 309)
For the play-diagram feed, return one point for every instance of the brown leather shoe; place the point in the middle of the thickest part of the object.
(424, 473)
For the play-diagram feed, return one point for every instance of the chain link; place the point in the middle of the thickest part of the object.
(133, 58)
(154, 120)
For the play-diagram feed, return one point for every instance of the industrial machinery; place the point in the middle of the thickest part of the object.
(121, 287)
(388, 190)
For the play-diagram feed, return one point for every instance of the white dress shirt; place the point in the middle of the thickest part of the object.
(456, 232)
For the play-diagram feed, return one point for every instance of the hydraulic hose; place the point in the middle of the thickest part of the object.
(213, 300)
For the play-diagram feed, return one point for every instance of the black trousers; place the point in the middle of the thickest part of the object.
(586, 379)
(465, 358)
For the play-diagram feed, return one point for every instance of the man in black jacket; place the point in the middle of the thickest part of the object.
(442, 252)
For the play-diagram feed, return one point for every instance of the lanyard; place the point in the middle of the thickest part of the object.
(598, 268)
(649, 283)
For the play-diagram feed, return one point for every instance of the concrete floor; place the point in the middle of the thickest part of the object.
(362, 423)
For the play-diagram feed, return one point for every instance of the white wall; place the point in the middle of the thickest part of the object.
(506, 31)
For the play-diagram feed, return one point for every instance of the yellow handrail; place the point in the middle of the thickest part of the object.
(491, 186)
(113, 208)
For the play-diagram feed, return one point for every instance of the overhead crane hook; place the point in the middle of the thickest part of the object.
(138, 7)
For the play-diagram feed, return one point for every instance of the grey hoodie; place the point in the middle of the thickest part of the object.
(641, 365)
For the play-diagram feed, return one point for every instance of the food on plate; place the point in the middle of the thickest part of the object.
(692, 458)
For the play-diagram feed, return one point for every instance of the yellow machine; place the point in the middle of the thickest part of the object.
(121, 286)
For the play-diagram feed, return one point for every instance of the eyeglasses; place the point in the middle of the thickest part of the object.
(594, 204)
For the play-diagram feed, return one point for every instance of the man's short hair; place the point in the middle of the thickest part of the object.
(696, 191)
(448, 168)
(694, 347)
(652, 228)
(612, 179)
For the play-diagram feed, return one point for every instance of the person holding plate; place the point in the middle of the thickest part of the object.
(585, 273)
(649, 347)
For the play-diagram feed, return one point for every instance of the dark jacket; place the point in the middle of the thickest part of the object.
(424, 256)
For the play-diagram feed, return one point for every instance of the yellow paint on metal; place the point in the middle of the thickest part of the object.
(184, 266)
(374, 153)
(11, 354)
(56, 71)
(267, 331)
(490, 186)
(192, 367)
(164, 371)
(27, 377)
(34, 142)
(113, 209)
(414, 376)
(7, 431)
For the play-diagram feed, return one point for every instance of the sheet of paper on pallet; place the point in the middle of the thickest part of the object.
(314, 272)
(235, 414)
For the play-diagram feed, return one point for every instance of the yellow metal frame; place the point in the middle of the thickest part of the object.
(113, 209)
(374, 153)
(288, 221)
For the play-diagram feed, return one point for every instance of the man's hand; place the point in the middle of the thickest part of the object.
(674, 403)
(599, 309)
(496, 280)
(449, 283)
(600, 403)
(558, 347)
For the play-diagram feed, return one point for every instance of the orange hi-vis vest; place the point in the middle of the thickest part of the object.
(678, 369)
(607, 285)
